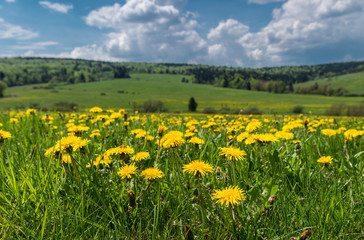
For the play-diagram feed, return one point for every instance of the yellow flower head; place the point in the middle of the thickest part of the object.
(4, 135)
(66, 158)
(325, 159)
(229, 196)
(232, 153)
(14, 120)
(242, 136)
(196, 140)
(283, 135)
(141, 156)
(101, 159)
(70, 142)
(172, 139)
(253, 125)
(95, 110)
(127, 171)
(198, 167)
(152, 173)
(120, 150)
(329, 132)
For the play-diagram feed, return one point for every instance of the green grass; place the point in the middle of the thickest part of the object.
(168, 89)
(42, 197)
(353, 82)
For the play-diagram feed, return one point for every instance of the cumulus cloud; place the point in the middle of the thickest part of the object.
(152, 30)
(10, 31)
(305, 25)
(58, 7)
(159, 30)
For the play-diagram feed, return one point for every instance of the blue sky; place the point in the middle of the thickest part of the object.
(247, 33)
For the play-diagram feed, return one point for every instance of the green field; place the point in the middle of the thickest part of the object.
(170, 90)
(353, 83)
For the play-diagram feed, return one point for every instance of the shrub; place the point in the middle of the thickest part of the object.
(251, 110)
(65, 106)
(335, 109)
(355, 110)
(209, 110)
(150, 106)
(297, 109)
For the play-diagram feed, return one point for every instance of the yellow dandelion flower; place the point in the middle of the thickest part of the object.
(101, 159)
(253, 125)
(70, 142)
(162, 129)
(250, 140)
(229, 196)
(265, 137)
(66, 158)
(120, 150)
(14, 120)
(127, 171)
(198, 167)
(172, 139)
(232, 153)
(196, 140)
(283, 135)
(78, 128)
(242, 136)
(149, 138)
(95, 133)
(351, 133)
(4, 135)
(189, 134)
(141, 156)
(325, 159)
(95, 110)
(329, 132)
(152, 173)
(31, 111)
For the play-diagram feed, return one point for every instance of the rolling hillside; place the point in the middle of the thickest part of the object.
(122, 93)
(353, 83)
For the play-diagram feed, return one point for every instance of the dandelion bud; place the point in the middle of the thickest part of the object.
(272, 199)
(131, 196)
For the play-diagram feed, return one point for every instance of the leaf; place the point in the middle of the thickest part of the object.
(274, 190)
(358, 154)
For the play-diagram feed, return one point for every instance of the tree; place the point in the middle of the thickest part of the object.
(3, 86)
(192, 105)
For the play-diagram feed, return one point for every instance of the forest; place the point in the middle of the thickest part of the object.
(31, 70)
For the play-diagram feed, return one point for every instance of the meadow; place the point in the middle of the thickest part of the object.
(123, 93)
(353, 82)
(113, 174)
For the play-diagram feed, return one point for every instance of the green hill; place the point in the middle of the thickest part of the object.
(123, 93)
(353, 83)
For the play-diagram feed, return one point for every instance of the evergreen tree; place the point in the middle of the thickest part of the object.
(192, 105)
(3, 86)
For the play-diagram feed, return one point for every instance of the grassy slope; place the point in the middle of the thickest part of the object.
(170, 90)
(353, 82)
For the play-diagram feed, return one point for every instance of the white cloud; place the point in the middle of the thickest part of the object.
(58, 7)
(305, 25)
(10, 31)
(152, 30)
(264, 1)
(10, 1)
(35, 45)
(159, 30)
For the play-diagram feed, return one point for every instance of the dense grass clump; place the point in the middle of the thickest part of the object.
(106, 174)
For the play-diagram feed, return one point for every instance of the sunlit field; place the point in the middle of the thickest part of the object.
(111, 174)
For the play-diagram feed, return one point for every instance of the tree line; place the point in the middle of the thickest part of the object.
(30, 70)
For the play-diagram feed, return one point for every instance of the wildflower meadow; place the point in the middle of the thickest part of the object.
(112, 174)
